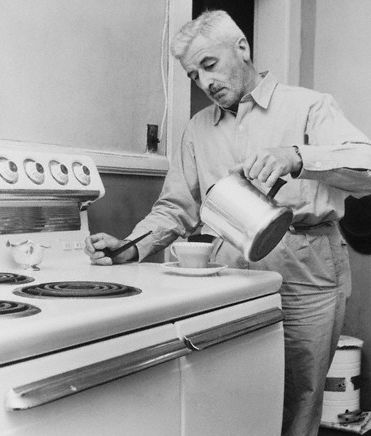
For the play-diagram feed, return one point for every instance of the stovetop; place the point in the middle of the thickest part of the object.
(44, 196)
(160, 297)
(77, 289)
(12, 278)
(15, 309)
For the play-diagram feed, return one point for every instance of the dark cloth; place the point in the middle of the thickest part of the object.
(356, 223)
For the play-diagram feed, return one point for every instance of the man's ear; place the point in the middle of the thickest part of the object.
(243, 48)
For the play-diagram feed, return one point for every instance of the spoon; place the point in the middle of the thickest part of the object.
(113, 253)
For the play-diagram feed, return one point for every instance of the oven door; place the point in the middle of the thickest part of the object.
(233, 380)
(127, 385)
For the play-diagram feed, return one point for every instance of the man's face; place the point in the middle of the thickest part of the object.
(219, 69)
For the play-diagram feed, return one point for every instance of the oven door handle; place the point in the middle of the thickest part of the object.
(233, 329)
(77, 380)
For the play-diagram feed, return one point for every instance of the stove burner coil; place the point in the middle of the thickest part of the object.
(77, 289)
(10, 278)
(13, 309)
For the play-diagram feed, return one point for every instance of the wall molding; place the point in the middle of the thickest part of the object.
(133, 164)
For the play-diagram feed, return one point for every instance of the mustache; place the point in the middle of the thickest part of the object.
(215, 87)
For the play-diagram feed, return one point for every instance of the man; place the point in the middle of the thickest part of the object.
(267, 130)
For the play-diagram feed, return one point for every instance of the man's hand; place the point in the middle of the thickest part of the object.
(268, 164)
(94, 244)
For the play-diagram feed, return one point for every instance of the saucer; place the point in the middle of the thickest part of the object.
(212, 268)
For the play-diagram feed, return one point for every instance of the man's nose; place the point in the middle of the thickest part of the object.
(206, 81)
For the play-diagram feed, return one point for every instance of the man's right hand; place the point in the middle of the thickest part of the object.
(94, 244)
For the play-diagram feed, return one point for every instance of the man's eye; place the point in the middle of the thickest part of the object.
(209, 66)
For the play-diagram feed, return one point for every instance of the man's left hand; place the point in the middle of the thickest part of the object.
(268, 164)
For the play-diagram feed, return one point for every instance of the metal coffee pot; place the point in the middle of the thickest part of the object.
(244, 215)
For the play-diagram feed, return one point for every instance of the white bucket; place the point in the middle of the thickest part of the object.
(342, 390)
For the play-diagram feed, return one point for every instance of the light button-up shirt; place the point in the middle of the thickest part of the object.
(273, 115)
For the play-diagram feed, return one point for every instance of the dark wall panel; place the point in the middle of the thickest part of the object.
(128, 199)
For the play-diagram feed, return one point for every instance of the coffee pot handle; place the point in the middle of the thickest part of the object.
(270, 194)
(276, 187)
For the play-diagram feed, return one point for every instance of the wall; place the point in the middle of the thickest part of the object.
(89, 75)
(336, 58)
(277, 44)
(128, 199)
(358, 320)
(342, 60)
(81, 73)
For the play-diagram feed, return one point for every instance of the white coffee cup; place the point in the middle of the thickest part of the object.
(192, 254)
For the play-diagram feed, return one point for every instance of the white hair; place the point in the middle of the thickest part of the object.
(214, 25)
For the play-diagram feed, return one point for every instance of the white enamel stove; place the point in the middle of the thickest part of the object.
(127, 349)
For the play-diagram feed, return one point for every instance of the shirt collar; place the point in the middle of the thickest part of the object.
(261, 95)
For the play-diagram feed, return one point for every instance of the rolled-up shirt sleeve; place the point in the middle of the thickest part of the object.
(176, 212)
(338, 154)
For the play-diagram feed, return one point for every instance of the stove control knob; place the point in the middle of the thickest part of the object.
(8, 170)
(35, 171)
(82, 173)
(59, 172)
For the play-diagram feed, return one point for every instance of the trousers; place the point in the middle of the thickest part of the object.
(314, 265)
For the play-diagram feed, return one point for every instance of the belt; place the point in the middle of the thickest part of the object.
(319, 227)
